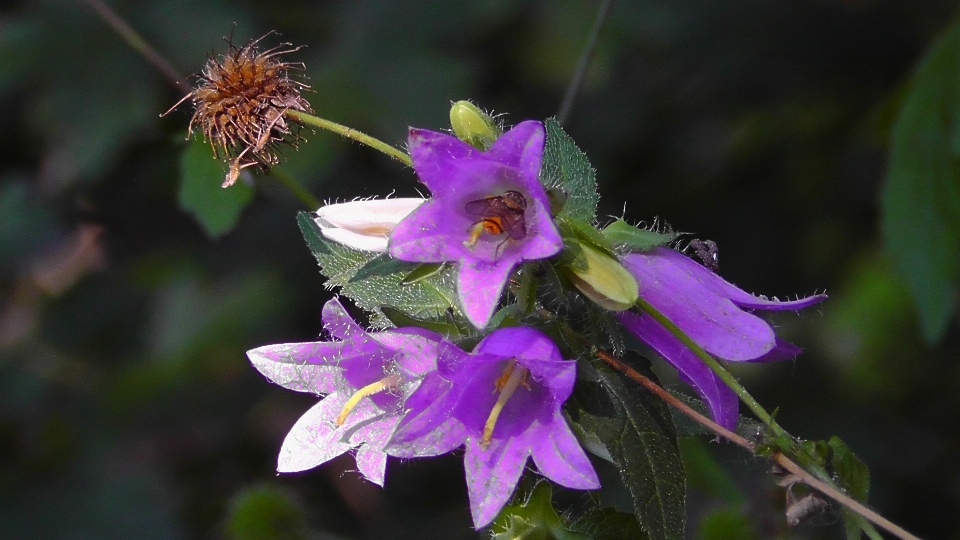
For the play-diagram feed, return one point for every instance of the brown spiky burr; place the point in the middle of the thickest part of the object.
(240, 102)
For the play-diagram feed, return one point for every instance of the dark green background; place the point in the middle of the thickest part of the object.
(127, 407)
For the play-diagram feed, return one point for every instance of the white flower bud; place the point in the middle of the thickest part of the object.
(364, 225)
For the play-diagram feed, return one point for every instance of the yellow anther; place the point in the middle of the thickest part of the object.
(386, 383)
(515, 376)
(501, 381)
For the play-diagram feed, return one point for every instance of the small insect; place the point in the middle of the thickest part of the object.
(499, 214)
(707, 252)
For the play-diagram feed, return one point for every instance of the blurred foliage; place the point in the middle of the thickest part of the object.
(921, 199)
(127, 408)
(217, 209)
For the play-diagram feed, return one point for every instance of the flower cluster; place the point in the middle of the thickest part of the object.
(499, 385)
(407, 392)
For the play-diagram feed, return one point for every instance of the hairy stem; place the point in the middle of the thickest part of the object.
(351, 133)
(803, 476)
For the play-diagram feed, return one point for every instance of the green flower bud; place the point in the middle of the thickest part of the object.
(473, 126)
(605, 281)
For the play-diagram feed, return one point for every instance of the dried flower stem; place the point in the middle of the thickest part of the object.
(351, 133)
(778, 458)
(157, 60)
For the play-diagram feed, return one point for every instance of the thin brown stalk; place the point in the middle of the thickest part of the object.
(802, 475)
(139, 44)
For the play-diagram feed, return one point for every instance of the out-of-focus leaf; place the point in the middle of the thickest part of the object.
(216, 208)
(638, 433)
(921, 198)
(19, 48)
(27, 224)
(427, 298)
(266, 513)
(634, 238)
(726, 525)
(100, 104)
(567, 168)
(876, 360)
(705, 474)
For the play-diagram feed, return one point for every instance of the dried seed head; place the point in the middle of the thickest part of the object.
(240, 104)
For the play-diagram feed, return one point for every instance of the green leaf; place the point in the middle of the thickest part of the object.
(423, 271)
(382, 265)
(636, 429)
(216, 208)
(854, 477)
(567, 168)
(609, 524)
(427, 298)
(534, 519)
(726, 524)
(634, 238)
(585, 233)
(266, 512)
(921, 197)
(399, 318)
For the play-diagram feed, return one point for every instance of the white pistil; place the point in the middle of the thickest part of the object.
(515, 376)
(386, 383)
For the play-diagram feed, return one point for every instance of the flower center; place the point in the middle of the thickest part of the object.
(391, 382)
(511, 379)
(497, 215)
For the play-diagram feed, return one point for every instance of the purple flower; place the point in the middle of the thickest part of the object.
(503, 402)
(365, 376)
(489, 212)
(712, 312)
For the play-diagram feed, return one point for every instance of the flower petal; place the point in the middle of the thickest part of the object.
(429, 428)
(492, 475)
(683, 291)
(432, 154)
(536, 352)
(781, 351)
(419, 352)
(372, 216)
(363, 242)
(298, 366)
(721, 401)
(338, 322)
(522, 147)
(479, 285)
(313, 439)
(560, 458)
(737, 295)
(372, 464)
